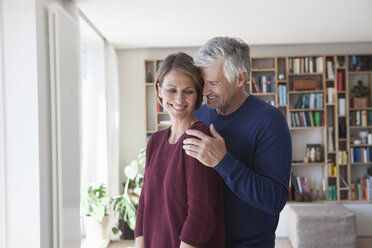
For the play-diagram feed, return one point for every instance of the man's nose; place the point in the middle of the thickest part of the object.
(206, 89)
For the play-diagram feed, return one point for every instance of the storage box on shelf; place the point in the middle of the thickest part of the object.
(314, 94)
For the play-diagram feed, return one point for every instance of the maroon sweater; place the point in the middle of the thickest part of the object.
(181, 199)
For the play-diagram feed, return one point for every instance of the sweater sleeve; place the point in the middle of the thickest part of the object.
(265, 184)
(202, 188)
(138, 231)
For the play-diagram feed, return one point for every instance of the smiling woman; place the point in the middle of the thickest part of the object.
(181, 200)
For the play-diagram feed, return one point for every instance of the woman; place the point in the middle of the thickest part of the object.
(181, 201)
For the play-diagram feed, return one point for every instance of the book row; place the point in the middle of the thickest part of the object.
(332, 193)
(307, 119)
(342, 157)
(361, 154)
(264, 84)
(362, 189)
(361, 118)
(305, 65)
(310, 101)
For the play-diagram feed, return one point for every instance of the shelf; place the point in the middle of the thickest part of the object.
(162, 113)
(305, 91)
(332, 152)
(302, 110)
(304, 128)
(263, 70)
(308, 164)
(342, 139)
(344, 188)
(305, 74)
(360, 145)
(361, 163)
(264, 94)
(150, 84)
(359, 72)
(356, 109)
(341, 91)
(359, 127)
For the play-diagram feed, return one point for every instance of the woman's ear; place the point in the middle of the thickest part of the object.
(159, 90)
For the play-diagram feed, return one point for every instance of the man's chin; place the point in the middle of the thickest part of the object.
(212, 105)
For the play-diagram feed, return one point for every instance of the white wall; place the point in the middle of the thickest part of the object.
(132, 102)
(27, 122)
(2, 153)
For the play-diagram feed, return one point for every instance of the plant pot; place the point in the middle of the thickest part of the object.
(360, 102)
(95, 230)
(127, 233)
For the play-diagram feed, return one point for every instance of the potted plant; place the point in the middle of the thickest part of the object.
(360, 92)
(125, 205)
(95, 204)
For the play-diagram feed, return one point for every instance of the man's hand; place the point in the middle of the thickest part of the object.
(208, 150)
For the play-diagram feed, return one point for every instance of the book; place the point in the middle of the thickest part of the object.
(340, 81)
(255, 85)
(344, 181)
(330, 71)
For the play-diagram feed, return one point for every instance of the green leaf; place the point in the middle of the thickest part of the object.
(131, 170)
(115, 230)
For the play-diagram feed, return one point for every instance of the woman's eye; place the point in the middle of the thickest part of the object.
(189, 92)
(171, 91)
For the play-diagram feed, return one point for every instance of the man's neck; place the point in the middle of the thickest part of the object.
(235, 105)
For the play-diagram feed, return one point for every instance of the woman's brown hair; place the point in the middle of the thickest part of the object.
(184, 63)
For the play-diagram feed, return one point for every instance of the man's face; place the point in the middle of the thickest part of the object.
(218, 91)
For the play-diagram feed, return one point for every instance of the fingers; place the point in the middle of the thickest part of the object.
(196, 133)
(191, 148)
(192, 153)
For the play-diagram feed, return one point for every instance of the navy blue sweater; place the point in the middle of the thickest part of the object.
(255, 170)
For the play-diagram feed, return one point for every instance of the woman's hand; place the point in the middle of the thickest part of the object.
(184, 245)
(139, 243)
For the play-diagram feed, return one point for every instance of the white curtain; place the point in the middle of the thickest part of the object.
(65, 112)
(112, 96)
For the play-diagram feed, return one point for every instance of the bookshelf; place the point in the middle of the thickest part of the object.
(314, 94)
(156, 118)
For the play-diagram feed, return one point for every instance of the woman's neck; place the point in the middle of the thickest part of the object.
(179, 127)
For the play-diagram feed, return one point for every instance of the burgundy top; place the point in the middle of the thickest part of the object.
(181, 199)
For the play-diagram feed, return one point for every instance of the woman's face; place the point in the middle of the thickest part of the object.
(179, 94)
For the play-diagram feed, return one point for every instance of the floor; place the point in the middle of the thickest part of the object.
(362, 242)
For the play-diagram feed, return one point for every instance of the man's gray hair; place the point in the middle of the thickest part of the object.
(233, 52)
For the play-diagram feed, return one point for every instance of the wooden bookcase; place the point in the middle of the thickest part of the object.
(314, 116)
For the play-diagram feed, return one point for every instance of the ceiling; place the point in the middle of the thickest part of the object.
(172, 23)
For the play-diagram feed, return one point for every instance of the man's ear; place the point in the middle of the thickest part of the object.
(240, 79)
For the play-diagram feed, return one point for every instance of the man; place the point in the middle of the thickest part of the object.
(250, 145)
